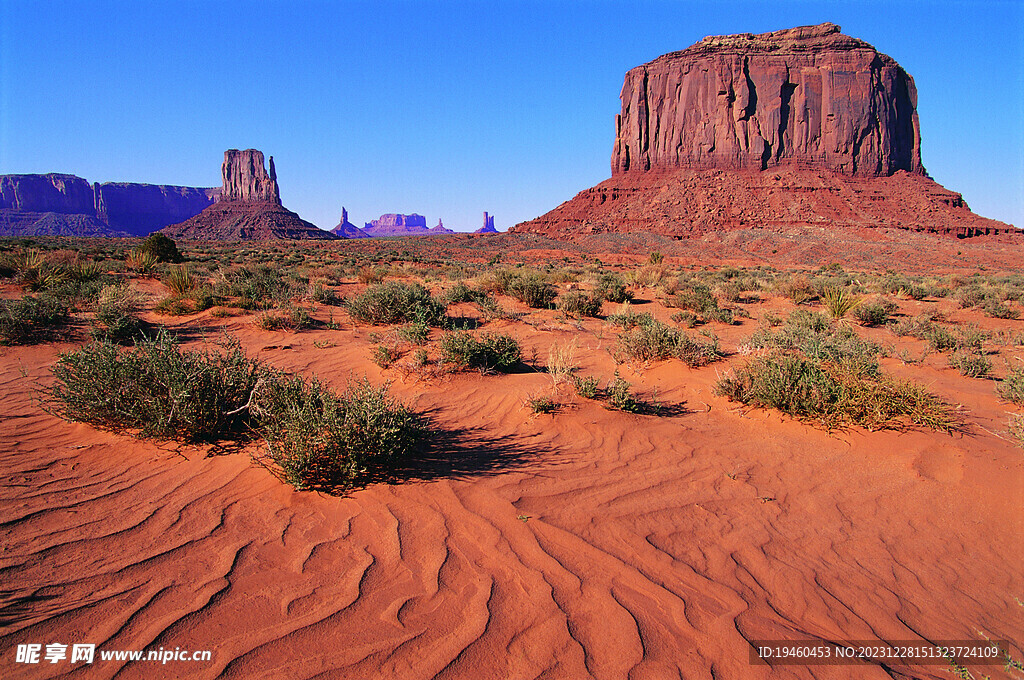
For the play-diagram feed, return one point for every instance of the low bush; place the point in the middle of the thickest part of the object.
(654, 340)
(873, 313)
(998, 309)
(256, 286)
(612, 288)
(31, 319)
(532, 290)
(384, 356)
(578, 303)
(970, 364)
(156, 389)
(835, 394)
(160, 247)
(460, 292)
(1011, 388)
(117, 314)
(620, 396)
(488, 353)
(542, 404)
(586, 387)
(396, 302)
(627, 318)
(413, 333)
(318, 292)
(316, 439)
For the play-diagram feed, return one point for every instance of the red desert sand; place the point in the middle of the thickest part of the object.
(588, 543)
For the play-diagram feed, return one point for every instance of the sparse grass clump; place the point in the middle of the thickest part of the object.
(487, 353)
(1011, 388)
(586, 387)
(318, 292)
(117, 314)
(839, 301)
(970, 364)
(835, 394)
(181, 281)
(532, 290)
(620, 396)
(542, 404)
(815, 336)
(461, 292)
(290, 318)
(384, 356)
(31, 319)
(396, 302)
(653, 340)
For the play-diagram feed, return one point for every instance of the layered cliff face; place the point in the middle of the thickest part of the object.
(67, 205)
(246, 179)
(140, 209)
(248, 208)
(804, 127)
(804, 97)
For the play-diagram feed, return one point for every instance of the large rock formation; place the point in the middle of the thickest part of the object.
(440, 228)
(794, 128)
(805, 97)
(488, 227)
(246, 179)
(249, 206)
(393, 224)
(67, 205)
(346, 229)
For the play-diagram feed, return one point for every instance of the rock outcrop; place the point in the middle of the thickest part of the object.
(804, 127)
(488, 227)
(67, 205)
(246, 179)
(346, 229)
(440, 228)
(249, 207)
(393, 224)
(804, 97)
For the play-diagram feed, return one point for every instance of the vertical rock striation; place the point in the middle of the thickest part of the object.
(800, 97)
(246, 179)
(249, 206)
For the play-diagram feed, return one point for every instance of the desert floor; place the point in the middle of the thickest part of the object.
(585, 543)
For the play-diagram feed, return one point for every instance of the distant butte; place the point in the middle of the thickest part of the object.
(803, 127)
(346, 229)
(249, 206)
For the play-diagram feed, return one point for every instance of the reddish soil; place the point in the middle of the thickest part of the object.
(588, 543)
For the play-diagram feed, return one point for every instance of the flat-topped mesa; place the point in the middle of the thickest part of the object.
(246, 179)
(806, 97)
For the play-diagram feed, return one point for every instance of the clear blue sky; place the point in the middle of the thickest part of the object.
(445, 108)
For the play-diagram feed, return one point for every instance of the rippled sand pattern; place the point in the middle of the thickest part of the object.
(592, 543)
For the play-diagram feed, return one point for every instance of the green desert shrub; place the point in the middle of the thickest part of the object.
(627, 318)
(384, 356)
(318, 292)
(489, 352)
(578, 303)
(532, 290)
(396, 302)
(620, 396)
(31, 319)
(156, 389)
(838, 301)
(461, 292)
(815, 336)
(414, 333)
(998, 309)
(874, 312)
(586, 387)
(612, 288)
(654, 340)
(970, 364)
(256, 286)
(161, 247)
(835, 394)
(117, 314)
(315, 438)
(1011, 388)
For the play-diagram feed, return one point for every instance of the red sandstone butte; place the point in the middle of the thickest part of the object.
(248, 208)
(803, 127)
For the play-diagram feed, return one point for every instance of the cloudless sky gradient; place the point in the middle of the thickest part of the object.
(446, 108)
